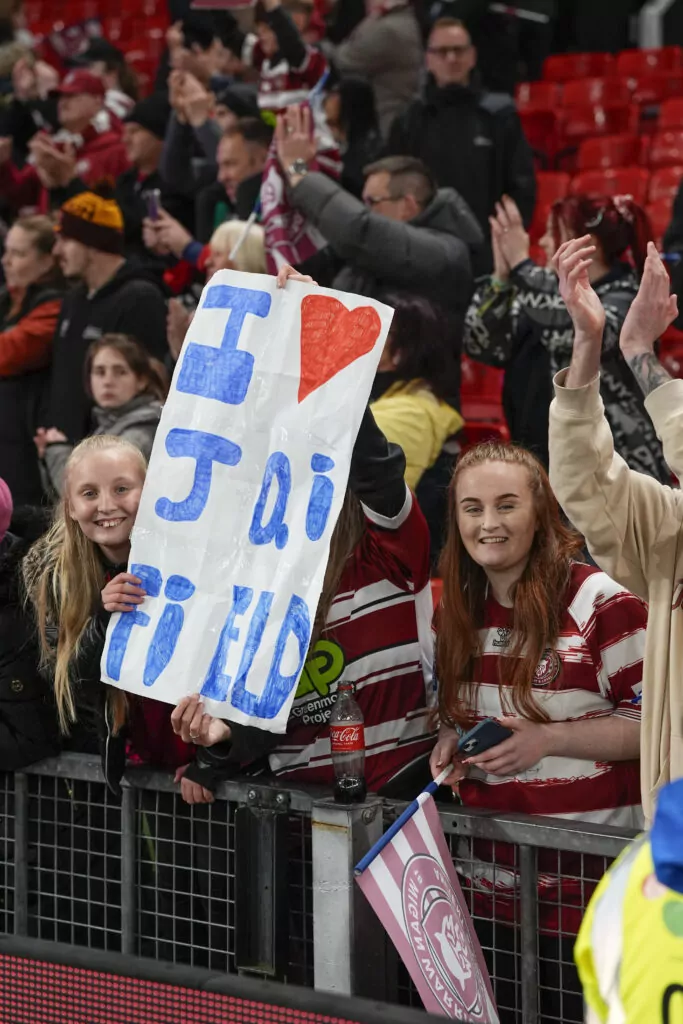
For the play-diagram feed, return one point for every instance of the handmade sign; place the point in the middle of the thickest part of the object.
(245, 484)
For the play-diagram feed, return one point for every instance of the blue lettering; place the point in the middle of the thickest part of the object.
(167, 633)
(217, 681)
(223, 373)
(320, 501)
(277, 466)
(151, 582)
(205, 449)
(278, 687)
(254, 637)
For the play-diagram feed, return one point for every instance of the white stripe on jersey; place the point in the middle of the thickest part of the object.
(595, 590)
(623, 653)
(364, 601)
(559, 705)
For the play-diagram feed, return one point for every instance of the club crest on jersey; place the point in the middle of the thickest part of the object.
(504, 635)
(548, 668)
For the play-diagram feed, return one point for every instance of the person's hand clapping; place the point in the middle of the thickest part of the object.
(571, 263)
(55, 167)
(193, 725)
(294, 137)
(444, 753)
(123, 593)
(652, 310)
(195, 100)
(512, 237)
(525, 748)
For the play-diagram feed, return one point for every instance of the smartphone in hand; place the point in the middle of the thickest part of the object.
(153, 197)
(483, 736)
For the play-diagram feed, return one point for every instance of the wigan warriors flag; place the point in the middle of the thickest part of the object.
(409, 880)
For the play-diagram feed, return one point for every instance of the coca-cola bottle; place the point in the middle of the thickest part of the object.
(347, 741)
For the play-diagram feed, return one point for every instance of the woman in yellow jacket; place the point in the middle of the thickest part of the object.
(418, 408)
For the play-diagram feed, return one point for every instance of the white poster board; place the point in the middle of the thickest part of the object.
(245, 484)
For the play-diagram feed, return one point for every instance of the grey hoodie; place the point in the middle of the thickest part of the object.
(136, 421)
(428, 256)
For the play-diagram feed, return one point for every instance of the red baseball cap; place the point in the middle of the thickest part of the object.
(81, 81)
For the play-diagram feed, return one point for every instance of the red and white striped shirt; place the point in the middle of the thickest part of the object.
(595, 669)
(378, 635)
(281, 85)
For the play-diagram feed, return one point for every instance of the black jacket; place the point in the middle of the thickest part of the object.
(214, 207)
(472, 141)
(22, 403)
(28, 720)
(525, 328)
(131, 302)
(428, 256)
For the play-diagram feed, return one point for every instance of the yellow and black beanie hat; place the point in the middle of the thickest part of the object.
(93, 220)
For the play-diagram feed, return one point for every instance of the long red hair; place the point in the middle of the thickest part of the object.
(537, 596)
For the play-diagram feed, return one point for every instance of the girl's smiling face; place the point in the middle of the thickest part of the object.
(103, 495)
(496, 515)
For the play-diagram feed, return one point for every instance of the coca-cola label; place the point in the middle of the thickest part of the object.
(345, 738)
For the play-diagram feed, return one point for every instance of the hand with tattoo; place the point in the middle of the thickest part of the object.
(651, 312)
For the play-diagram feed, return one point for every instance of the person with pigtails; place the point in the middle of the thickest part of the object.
(518, 321)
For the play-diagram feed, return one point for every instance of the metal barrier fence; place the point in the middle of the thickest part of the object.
(260, 883)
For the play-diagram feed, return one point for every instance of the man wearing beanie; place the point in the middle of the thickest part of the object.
(112, 296)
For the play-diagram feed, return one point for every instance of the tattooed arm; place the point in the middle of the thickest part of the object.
(647, 370)
(651, 312)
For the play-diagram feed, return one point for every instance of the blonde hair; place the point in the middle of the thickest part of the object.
(251, 257)
(63, 576)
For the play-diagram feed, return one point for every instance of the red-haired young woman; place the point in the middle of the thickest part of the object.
(517, 320)
(551, 648)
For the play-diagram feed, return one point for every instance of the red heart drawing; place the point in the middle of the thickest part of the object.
(332, 337)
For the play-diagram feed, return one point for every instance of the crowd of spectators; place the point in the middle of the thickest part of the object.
(373, 155)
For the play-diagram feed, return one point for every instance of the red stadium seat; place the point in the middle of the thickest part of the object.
(538, 95)
(632, 181)
(540, 128)
(634, 63)
(437, 591)
(659, 215)
(585, 91)
(610, 151)
(550, 186)
(664, 183)
(578, 123)
(565, 66)
(649, 90)
(667, 149)
(671, 114)
(475, 433)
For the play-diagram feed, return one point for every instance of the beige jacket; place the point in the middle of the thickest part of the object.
(634, 529)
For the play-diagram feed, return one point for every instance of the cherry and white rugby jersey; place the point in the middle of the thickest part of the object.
(378, 635)
(596, 668)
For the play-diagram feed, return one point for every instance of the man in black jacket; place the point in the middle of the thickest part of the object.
(113, 296)
(470, 139)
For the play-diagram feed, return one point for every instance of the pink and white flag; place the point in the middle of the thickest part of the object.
(412, 886)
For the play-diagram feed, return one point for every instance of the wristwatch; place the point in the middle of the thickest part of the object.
(297, 169)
